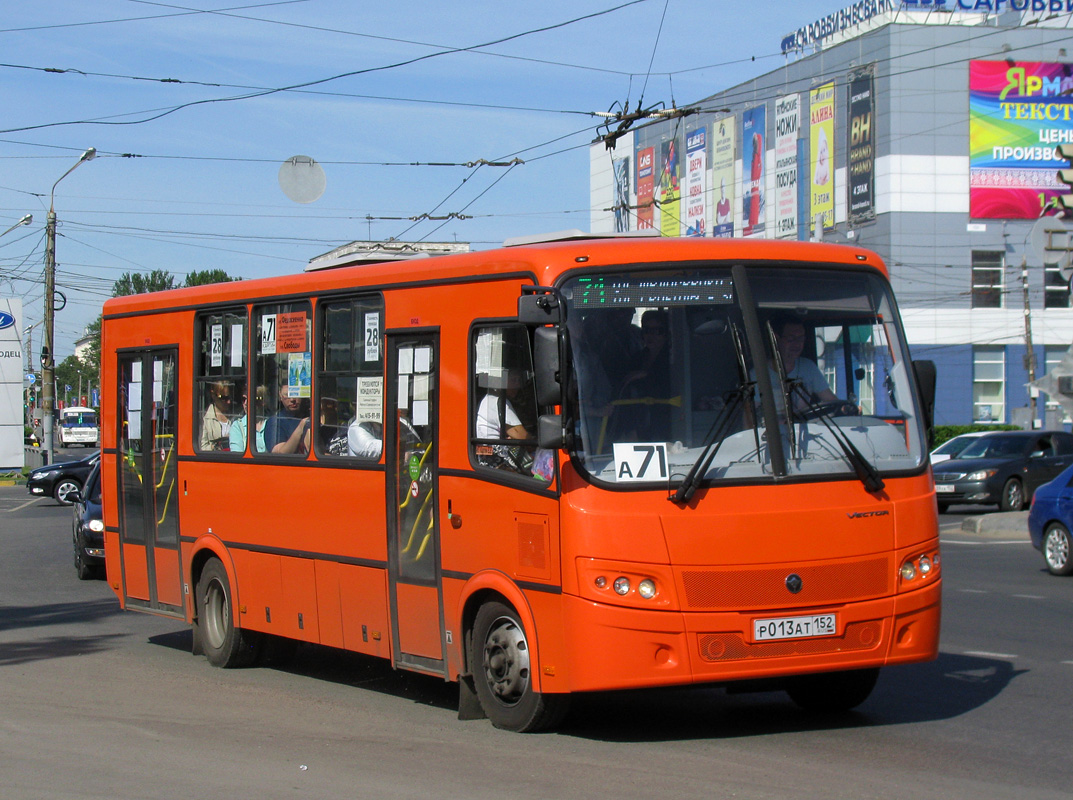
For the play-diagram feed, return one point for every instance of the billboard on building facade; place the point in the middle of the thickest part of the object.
(11, 377)
(696, 219)
(860, 149)
(787, 125)
(753, 134)
(670, 192)
(821, 154)
(723, 152)
(621, 170)
(646, 185)
(1019, 112)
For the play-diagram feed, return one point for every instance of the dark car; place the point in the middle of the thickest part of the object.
(1003, 468)
(1050, 520)
(87, 528)
(60, 479)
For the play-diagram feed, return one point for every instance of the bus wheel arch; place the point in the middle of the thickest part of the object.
(502, 666)
(216, 634)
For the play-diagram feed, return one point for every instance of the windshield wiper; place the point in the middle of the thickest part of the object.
(864, 470)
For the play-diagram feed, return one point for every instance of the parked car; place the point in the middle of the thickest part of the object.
(1003, 468)
(1050, 520)
(87, 528)
(60, 479)
(952, 447)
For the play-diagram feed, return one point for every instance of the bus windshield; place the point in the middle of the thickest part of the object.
(688, 373)
(79, 418)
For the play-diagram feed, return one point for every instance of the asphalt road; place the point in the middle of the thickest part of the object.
(98, 703)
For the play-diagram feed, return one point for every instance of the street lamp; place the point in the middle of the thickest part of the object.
(24, 221)
(47, 362)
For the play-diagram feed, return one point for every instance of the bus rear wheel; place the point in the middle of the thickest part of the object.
(502, 674)
(832, 692)
(224, 644)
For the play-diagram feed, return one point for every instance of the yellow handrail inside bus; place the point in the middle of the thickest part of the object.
(417, 519)
(635, 401)
(420, 465)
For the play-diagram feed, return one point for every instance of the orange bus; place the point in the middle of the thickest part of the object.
(569, 466)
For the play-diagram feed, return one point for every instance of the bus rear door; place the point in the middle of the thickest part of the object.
(148, 473)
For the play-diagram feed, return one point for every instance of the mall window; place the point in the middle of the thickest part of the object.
(988, 383)
(987, 279)
(1055, 288)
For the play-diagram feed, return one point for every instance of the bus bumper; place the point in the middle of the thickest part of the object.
(621, 648)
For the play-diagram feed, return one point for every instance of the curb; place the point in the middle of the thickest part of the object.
(1012, 524)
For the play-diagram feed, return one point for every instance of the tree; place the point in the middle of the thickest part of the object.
(203, 277)
(140, 283)
(78, 374)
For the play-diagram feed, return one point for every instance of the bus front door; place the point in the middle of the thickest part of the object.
(148, 470)
(413, 530)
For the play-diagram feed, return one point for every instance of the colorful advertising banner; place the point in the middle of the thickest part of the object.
(821, 103)
(1019, 112)
(753, 129)
(861, 155)
(646, 183)
(696, 219)
(723, 152)
(787, 124)
(670, 190)
(621, 167)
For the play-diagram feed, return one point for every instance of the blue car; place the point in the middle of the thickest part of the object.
(1050, 520)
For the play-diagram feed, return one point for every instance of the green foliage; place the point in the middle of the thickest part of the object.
(140, 283)
(75, 372)
(206, 276)
(946, 432)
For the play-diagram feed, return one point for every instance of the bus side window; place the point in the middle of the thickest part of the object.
(350, 379)
(284, 367)
(504, 402)
(220, 379)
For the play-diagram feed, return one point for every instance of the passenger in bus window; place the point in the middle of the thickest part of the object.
(240, 426)
(216, 424)
(497, 419)
(649, 419)
(285, 431)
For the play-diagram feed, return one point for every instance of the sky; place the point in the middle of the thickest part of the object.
(193, 107)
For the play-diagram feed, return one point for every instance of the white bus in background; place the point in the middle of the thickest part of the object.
(78, 425)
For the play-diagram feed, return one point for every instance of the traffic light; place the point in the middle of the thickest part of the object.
(1065, 201)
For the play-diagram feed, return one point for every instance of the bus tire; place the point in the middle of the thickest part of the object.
(224, 644)
(502, 674)
(832, 692)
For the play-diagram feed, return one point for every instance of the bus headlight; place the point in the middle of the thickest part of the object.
(622, 586)
(647, 588)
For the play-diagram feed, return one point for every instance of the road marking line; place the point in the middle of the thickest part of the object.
(27, 503)
(973, 591)
(986, 654)
(984, 541)
(1029, 596)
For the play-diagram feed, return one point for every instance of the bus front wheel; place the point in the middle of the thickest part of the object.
(224, 644)
(832, 692)
(502, 674)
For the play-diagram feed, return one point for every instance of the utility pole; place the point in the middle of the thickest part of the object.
(1030, 353)
(48, 364)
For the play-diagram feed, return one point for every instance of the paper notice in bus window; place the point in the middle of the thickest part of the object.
(158, 391)
(419, 416)
(216, 346)
(406, 360)
(404, 391)
(291, 332)
(134, 425)
(420, 387)
(238, 336)
(134, 395)
(640, 461)
(268, 334)
(370, 400)
(299, 370)
(136, 372)
(372, 336)
(422, 359)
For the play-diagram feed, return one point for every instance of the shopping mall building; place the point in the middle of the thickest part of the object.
(925, 131)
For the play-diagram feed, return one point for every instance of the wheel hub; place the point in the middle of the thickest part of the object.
(506, 661)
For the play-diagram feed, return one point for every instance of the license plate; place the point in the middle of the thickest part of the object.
(794, 627)
(944, 488)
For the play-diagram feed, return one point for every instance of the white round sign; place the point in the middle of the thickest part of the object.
(302, 179)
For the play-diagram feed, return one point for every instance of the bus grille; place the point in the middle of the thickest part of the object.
(733, 647)
(737, 589)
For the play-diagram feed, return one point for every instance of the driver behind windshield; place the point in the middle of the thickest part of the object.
(812, 388)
